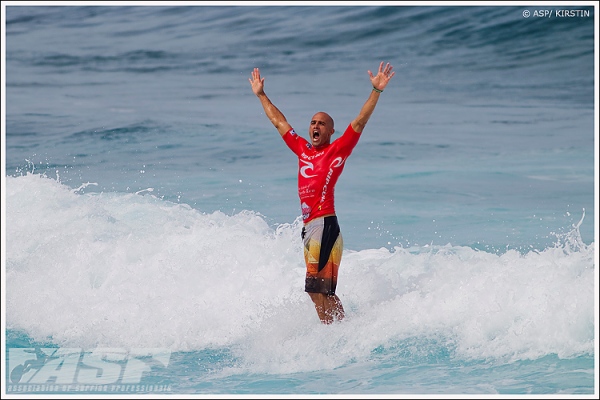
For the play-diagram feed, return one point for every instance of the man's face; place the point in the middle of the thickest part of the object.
(320, 129)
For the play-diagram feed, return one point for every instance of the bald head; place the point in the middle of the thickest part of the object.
(321, 129)
(326, 117)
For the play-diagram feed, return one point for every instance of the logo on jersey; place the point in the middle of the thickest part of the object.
(338, 162)
(305, 210)
(307, 167)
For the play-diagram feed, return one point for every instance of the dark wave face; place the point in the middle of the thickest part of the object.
(485, 47)
(490, 110)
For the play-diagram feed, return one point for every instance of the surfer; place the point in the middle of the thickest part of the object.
(320, 163)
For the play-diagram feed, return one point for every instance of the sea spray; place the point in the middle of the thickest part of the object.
(133, 270)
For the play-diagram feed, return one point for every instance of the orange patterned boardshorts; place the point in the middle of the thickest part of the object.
(323, 245)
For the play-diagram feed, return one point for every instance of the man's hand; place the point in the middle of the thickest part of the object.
(258, 84)
(275, 116)
(383, 76)
(379, 83)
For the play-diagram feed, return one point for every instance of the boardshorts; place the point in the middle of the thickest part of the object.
(323, 245)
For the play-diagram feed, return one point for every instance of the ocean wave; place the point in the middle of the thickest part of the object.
(132, 270)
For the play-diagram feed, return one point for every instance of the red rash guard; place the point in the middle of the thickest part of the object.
(319, 170)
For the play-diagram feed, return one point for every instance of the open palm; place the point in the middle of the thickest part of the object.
(383, 76)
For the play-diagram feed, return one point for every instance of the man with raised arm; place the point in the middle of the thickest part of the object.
(320, 163)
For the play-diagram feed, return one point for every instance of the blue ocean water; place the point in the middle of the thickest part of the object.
(152, 231)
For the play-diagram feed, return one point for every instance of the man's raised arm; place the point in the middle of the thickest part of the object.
(379, 83)
(275, 116)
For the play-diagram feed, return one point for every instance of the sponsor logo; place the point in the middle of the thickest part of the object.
(308, 166)
(73, 369)
(336, 163)
(307, 157)
(305, 210)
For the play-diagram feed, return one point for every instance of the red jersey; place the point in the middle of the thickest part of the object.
(319, 170)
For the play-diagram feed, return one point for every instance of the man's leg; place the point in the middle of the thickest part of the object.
(329, 307)
(323, 247)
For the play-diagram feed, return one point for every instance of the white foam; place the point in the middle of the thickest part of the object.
(132, 270)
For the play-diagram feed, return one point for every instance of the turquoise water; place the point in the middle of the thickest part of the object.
(152, 219)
